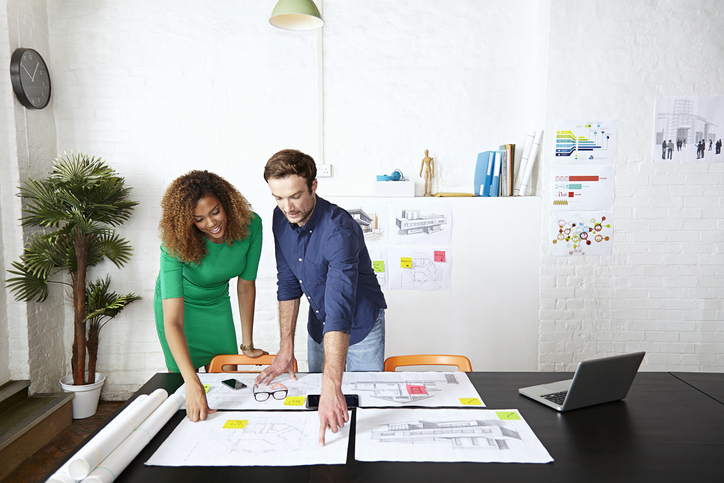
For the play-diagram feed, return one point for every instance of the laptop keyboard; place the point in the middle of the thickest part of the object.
(556, 397)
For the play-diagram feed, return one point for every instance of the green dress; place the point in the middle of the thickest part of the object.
(208, 322)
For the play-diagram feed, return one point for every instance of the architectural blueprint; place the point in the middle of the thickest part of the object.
(448, 435)
(419, 223)
(252, 438)
(401, 389)
(420, 268)
(375, 389)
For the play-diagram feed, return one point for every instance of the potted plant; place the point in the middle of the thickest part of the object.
(77, 206)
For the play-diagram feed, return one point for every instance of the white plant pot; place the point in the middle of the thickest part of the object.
(85, 402)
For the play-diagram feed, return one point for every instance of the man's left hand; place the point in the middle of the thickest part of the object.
(333, 413)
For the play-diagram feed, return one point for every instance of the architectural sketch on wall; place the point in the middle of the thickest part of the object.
(252, 438)
(581, 233)
(688, 129)
(369, 213)
(419, 268)
(586, 141)
(421, 224)
(476, 435)
(378, 255)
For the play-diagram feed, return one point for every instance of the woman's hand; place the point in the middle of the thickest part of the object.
(254, 353)
(197, 408)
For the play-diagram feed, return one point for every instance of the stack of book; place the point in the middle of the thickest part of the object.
(495, 173)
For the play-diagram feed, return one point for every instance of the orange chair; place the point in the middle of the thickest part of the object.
(462, 362)
(218, 362)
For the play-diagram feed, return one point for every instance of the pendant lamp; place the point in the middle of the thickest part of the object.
(296, 15)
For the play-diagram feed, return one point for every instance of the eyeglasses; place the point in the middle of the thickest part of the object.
(277, 391)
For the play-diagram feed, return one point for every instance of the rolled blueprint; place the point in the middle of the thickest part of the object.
(62, 475)
(523, 162)
(122, 456)
(525, 178)
(103, 443)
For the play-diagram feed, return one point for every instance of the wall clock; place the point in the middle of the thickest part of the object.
(30, 78)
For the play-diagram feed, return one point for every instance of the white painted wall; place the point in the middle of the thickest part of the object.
(159, 88)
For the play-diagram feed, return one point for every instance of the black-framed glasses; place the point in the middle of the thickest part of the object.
(277, 391)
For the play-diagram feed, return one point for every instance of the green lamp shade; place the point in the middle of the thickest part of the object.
(296, 15)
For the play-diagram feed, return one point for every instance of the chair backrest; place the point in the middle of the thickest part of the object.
(218, 362)
(462, 362)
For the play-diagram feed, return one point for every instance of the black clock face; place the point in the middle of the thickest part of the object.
(30, 78)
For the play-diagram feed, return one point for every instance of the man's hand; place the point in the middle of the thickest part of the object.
(197, 408)
(283, 362)
(333, 413)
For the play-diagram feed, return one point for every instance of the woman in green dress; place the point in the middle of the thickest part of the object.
(209, 235)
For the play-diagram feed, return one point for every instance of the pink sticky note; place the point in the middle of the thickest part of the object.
(416, 389)
(439, 256)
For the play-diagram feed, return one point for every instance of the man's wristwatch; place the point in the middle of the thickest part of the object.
(246, 347)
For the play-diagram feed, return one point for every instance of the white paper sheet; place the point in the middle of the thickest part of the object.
(375, 389)
(446, 435)
(252, 438)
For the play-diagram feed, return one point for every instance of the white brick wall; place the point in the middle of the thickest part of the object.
(662, 289)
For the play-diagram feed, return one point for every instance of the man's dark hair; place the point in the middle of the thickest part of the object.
(291, 161)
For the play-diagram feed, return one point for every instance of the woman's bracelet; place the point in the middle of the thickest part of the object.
(246, 347)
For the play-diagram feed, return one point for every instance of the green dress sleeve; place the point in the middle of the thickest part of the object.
(254, 253)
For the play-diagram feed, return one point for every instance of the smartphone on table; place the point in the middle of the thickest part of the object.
(351, 399)
(233, 384)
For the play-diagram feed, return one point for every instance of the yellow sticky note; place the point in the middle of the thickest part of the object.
(294, 401)
(508, 415)
(470, 401)
(378, 266)
(406, 262)
(207, 387)
(235, 423)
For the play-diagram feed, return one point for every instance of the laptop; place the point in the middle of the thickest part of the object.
(596, 381)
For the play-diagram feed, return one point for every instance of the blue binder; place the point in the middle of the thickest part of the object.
(484, 173)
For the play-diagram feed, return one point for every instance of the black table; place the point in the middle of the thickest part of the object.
(710, 383)
(665, 430)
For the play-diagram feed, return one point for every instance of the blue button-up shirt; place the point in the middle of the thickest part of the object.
(327, 261)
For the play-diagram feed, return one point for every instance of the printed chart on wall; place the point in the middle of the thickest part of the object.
(586, 141)
(582, 187)
(688, 129)
(419, 268)
(580, 233)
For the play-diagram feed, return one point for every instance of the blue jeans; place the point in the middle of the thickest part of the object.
(367, 355)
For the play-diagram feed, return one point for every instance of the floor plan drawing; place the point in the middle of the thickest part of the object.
(252, 438)
(419, 268)
(476, 435)
(399, 389)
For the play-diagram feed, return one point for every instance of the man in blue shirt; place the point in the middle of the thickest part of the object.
(321, 254)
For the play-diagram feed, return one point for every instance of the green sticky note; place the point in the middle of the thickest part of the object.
(378, 266)
(207, 387)
(508, 415)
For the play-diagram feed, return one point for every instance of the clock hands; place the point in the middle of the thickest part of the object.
(32, 76)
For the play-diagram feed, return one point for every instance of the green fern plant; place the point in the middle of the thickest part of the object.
(77, 206)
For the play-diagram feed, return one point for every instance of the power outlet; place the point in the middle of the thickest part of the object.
(324, 170)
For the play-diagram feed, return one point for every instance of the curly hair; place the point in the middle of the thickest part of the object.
(179, 232)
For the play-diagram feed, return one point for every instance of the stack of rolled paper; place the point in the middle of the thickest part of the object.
(110, 451)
